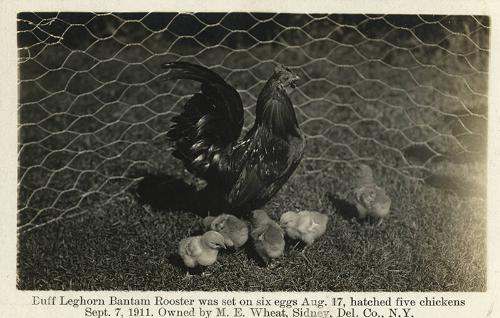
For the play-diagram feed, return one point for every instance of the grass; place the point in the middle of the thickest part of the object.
(93, 116)
(433, 240)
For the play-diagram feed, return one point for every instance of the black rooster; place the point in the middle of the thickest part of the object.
(244, 173)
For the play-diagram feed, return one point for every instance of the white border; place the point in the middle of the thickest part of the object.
(14, 303)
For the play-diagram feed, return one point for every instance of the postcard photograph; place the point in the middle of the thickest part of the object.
(250, 151)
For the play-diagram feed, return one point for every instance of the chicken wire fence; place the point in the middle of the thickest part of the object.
(403, 93)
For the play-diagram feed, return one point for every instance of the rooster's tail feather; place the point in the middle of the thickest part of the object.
(184, 70)
(210, 122)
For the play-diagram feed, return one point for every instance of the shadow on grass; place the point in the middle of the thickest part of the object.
(456, 185)
(346, 209)
(249, 249)
(293, 245)
(165, 192)
(349, 212)
(176, 260)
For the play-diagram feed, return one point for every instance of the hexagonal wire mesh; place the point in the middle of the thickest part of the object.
(404, 93)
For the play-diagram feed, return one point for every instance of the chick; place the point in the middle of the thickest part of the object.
(201, 250)
(306, 226)
(267, 235)
(234, 230)
(369, 198)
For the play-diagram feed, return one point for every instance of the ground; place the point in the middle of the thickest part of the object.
(432, 240)
(384, 90)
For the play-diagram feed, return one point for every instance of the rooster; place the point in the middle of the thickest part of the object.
(243, 172)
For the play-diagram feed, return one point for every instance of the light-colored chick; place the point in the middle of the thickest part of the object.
(306, 226)
(234, 230)
(369, 198)
(201, 250)
(267, 235)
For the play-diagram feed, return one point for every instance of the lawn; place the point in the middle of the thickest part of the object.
(406, 95)
(433, 240)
